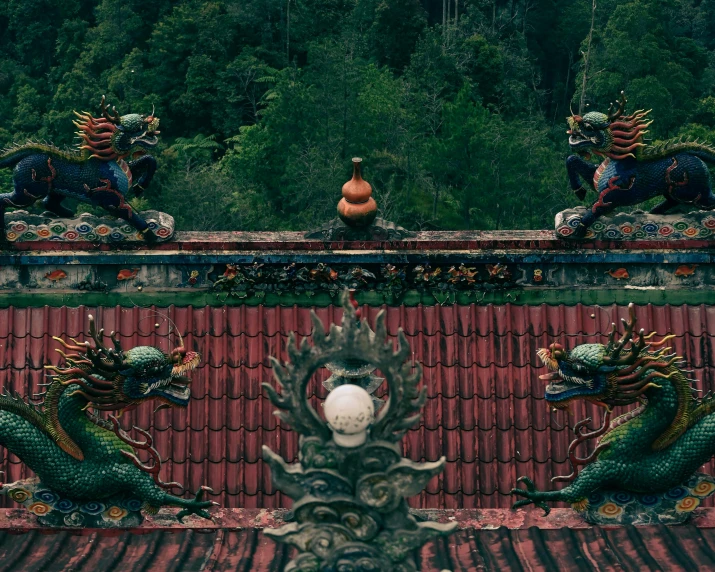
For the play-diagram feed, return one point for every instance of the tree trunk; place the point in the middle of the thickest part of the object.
(587, 58)
(566, 86)
(444, 20)
(434, 204)
(288, 31)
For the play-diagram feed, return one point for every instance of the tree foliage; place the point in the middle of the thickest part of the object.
(456, 106)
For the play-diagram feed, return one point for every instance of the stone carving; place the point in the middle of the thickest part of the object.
(96, 173)
(643, 467)
(88, 471)
(698, 225)
(631, 170)
(350, 511)
(21, 226)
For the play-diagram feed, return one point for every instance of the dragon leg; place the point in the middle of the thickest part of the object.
(192, 506)
(708, 201)
(664, 207)
(578, 169)
(154, 497)
(576, 493)
(114, 201)
(143, 170)
(53, 203)
(614, 194)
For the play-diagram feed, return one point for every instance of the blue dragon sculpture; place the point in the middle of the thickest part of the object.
(633, 171)
(110, 162)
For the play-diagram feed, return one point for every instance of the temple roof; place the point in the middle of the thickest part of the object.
(495, 540)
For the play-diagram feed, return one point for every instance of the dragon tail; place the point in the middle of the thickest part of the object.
(12, 155)
(704, 151)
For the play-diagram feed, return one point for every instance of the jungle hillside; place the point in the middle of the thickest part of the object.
(457, 107)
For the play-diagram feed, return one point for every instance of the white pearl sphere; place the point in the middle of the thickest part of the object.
(349, 410)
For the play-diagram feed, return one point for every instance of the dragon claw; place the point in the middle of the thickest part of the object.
(528, 482)
(196, 506)
(530, 494)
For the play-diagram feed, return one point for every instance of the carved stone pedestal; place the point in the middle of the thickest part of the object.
(21, 226)
(639, 225)
(54, 511)
(675, 506)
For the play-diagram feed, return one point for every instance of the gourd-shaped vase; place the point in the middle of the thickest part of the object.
(357, 208)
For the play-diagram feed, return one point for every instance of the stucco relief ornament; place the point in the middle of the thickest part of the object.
(350, 484)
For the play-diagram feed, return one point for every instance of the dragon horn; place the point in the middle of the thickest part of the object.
(114, 117)
(614, 112)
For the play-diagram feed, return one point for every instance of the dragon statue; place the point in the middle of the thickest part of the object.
(97, 173)
(82, 459)
(654, 448)
(631, 170)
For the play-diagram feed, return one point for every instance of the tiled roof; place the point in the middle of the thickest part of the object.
(683, 548)
(485, 410)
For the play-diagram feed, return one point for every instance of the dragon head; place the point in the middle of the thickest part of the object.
(617, 373)
(150, 373)
(113, 136)
(112, 379)
(608, 134)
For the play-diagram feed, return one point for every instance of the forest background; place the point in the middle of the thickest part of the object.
(457, 106)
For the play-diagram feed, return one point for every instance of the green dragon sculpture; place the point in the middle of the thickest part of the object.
(83, 458)
(656, 447)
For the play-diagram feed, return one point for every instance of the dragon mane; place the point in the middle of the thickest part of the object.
(97, 134)
(628, 134)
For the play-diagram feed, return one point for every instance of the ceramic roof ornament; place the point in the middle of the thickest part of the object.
(350, 486)
(643, 466)
(631, 171)
(111, 160)
(357, 208)
(357, 212)
(88, 470)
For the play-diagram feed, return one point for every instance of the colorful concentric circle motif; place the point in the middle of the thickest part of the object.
(86, 228)
(674, 506)
(688, 504)
(54, 510)
(19, 495)
(703, 489)
(115, 513)
(610, 510)
(627, 226)
(39, 508)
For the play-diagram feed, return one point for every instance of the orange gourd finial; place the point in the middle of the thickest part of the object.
(357, 208)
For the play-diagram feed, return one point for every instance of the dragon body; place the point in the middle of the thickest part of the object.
(77, 454)
(110, 162)
(631, 170)
(652, 448)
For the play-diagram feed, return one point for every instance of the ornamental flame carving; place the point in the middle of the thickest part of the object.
(350, 508)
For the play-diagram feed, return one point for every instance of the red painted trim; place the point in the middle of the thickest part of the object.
(20, 521)
(425, 241)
